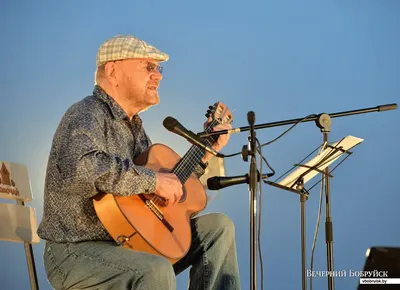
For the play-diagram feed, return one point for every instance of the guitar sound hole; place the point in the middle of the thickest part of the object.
(184, 194)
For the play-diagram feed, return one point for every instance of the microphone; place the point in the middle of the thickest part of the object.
(218, 182)
(174, 126)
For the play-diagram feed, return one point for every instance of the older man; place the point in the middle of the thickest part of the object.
(93, 151)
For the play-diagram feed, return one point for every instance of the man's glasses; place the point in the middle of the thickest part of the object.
(152, 67)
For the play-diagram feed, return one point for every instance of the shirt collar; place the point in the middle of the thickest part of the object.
(115, 108)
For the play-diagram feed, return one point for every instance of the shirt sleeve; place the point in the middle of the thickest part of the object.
(86, 167)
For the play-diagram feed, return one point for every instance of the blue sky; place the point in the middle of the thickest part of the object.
(281, 59)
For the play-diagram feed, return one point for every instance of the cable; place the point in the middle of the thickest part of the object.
(232, 155)
(259, 150)
(260, 193)
(325, 159)
(259, 214)
(274, 140)
(285, 132)
(316, 231)
(265, 160)
(318, 224)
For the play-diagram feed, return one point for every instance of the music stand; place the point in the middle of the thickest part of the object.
(295, 181)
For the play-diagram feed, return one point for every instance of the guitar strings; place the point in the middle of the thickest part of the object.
(187, 164)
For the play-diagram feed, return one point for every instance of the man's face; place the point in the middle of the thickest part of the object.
(138, 81)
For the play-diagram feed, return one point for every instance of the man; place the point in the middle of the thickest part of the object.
(92, 152)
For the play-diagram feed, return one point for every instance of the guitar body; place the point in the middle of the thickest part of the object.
(136, 225)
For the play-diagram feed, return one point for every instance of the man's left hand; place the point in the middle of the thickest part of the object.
(221, 142)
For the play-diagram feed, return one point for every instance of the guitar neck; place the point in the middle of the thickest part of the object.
(187, 165)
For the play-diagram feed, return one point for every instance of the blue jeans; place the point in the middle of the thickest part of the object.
(104, 265)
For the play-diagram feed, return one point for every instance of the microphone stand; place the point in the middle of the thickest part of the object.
(301, 120)
(323, 121)
(253, 180)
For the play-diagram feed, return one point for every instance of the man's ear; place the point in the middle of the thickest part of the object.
(110, 73)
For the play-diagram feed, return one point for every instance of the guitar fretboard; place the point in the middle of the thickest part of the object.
(187, 165)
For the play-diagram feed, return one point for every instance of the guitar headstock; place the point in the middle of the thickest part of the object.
(220, 113)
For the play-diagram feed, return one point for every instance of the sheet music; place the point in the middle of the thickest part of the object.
(329, 153)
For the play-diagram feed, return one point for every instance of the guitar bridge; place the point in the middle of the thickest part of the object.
(154, 208)
(150, 204)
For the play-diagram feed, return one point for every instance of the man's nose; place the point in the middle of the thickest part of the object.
(156, 76)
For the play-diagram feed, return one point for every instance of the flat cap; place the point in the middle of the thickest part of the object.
(125, 47)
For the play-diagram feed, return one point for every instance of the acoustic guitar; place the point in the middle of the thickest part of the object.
(145, 222)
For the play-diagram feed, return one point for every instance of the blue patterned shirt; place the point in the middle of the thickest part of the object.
(93, 151)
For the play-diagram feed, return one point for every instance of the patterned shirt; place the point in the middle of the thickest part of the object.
(93, 151)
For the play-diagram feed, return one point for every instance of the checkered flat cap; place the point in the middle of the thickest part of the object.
(126, 47)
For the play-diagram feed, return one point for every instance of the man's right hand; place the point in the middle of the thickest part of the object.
(169, 187)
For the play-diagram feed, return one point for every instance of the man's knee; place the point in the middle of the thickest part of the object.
(222, 224)
(159, 273)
